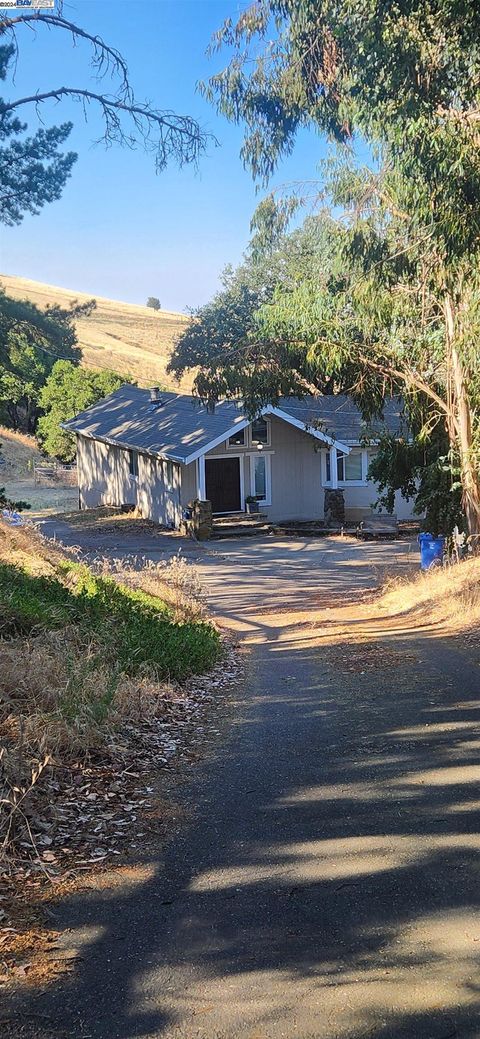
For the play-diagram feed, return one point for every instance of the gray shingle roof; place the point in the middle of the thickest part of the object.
(179, 427)
(341, 418)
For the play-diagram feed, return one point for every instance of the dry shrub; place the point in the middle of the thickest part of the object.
(175, 582)
(24, 546)
(450, 594)
(56, 699)
(53, 699)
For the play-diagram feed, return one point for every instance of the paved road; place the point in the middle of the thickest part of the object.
(327, 885)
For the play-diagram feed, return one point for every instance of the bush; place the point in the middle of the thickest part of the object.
(133, 631)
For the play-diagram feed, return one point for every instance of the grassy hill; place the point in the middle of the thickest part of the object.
(127, 338)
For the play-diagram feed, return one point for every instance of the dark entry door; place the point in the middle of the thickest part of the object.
(222, 476)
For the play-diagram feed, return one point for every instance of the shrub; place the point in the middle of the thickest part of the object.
(132, 629)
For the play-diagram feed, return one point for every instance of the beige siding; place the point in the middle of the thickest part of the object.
(360, 500)
(104, 479)
(189, 483)
(296, 474)
(103, 475)
(297, 491)
(164, 488)
(159, 490)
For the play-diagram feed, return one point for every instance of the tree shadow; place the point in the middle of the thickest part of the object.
(328, 883)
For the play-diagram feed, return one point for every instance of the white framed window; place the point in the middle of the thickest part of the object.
(261, 478)
(258, 432)
(351, 468)
(237, 439)
(133, 464)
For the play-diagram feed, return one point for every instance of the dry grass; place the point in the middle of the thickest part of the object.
(174, 581)
(76, 693)
(127, 338)
(450, 596)
(19, 452)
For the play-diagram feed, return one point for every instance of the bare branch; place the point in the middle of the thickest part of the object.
(410, 378)
(105, 58)
(177, 135)
(163, 133)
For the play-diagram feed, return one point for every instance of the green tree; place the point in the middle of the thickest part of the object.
(32, 171)
(405, 76)
(154, 303)
(31, 340)
(67, 391)
(224, 343)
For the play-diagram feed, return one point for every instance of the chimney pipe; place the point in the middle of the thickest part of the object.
(155, 393)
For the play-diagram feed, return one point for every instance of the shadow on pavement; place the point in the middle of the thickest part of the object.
(328, 884)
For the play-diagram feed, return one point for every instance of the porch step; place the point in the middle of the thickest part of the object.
(240, 525)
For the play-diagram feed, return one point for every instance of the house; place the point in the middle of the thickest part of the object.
(159, 450)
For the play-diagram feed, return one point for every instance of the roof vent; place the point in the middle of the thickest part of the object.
(210, 407)
(155, 393)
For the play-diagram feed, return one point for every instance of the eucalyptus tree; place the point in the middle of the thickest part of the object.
(405, 76)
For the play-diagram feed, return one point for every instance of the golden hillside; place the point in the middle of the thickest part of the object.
(127, 338)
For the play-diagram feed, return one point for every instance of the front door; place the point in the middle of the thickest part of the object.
(222, 477)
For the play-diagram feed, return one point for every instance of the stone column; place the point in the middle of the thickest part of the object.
(334, 507)
(200, 522)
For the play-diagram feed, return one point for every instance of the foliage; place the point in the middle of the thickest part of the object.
(405, 76)
(31, 340)
(154, 303)
(419, 471)
(126, 120)
(32, 171)
(224, 341)
(67, 391)
(131, 630)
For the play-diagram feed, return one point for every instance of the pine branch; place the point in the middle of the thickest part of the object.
(179, 135)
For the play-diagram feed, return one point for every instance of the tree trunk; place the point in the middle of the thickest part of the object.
(461, 434)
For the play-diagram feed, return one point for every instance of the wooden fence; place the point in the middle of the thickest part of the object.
(55, 473)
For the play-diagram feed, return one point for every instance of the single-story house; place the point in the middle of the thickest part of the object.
(159, 450)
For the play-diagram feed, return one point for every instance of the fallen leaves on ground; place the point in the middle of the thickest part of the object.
(89, 816)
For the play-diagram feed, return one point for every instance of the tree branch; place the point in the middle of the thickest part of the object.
(105, 57)
(410, 378)
(179, 135)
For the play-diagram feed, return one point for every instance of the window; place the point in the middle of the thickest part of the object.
(133, 464)
(260, 431)
(237, 439)
(260, 478)
(349, 467)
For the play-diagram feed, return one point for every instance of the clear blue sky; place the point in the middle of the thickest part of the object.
(120, 230)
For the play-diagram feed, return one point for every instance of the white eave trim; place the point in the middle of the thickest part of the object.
(241, 424)
(220, 439)
(123, 445)
(316, 433)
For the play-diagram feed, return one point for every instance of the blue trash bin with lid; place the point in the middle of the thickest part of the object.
(431, 550)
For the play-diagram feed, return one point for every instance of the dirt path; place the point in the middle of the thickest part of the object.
(327, 885)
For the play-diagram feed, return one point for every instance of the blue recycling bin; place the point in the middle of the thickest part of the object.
(431, 550)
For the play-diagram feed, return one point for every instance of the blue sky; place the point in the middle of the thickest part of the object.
(120, 230)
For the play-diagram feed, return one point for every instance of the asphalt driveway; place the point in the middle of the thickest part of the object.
(326, 886)
(259, 577)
